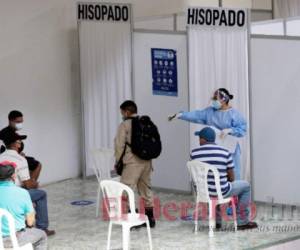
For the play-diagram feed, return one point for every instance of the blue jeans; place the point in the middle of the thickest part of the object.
(242, 190)
(39, 198)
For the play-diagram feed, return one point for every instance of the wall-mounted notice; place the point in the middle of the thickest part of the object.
(105, 12)
(164, 72)
(217, 17)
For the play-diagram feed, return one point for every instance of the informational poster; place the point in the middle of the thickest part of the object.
(164, 72)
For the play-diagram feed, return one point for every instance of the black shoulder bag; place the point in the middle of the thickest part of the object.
(120, 165)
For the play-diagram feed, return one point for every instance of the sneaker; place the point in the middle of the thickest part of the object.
(249, 225)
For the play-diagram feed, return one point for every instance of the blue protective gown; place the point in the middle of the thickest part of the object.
(221, 119)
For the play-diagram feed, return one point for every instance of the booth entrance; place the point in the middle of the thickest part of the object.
(170, 170)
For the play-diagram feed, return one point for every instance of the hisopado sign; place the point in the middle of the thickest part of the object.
(105, 12)
(216, 17)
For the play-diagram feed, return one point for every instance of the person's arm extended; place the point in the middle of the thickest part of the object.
(30, 219)
(197, 116)
(230, 175)
(30, 184)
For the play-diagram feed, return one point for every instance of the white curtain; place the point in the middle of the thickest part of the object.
(105, 61)
(286, 8)
(219, 58)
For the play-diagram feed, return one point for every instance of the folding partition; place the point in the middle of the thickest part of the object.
(218, 57)
(275, 89)
(105, 66)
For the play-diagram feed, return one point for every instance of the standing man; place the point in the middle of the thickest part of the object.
(15, 119)
(39, 197)
(17, 202)
(137, 172)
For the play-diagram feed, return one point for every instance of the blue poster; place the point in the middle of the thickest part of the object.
(164, 72)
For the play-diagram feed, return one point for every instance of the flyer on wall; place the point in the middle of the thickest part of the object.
(164, 72)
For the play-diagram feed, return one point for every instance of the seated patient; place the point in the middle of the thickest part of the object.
(209, 152)
(17, 202)
(15, 119)
(39, 197)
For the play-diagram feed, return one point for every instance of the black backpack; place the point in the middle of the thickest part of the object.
(145, 138)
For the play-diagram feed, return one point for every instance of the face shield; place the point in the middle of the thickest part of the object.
(218, 99)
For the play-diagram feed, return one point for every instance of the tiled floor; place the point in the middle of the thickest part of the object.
(77, 228)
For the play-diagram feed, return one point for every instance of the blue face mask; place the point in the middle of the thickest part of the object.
(216, 104)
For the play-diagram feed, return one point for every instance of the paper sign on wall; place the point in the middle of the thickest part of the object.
(164, 72)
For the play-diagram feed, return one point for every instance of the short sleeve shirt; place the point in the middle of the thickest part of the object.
(17, 202)
(22, 170)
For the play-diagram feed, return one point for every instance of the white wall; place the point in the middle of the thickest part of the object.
(170, 168)
(39, 76)
(159, 23)
(275, 98)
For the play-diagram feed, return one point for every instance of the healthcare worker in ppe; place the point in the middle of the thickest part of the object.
(223, 117)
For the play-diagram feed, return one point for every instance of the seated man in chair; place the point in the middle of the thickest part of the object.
(39, 197)
(17, 202)
(209, 152)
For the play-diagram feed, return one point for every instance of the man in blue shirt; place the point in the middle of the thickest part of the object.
(18, 203)
(23, 179)
(215, 155)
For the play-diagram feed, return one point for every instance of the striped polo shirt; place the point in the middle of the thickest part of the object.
(219, 157)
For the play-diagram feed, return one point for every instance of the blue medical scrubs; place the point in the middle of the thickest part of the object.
(221, 119)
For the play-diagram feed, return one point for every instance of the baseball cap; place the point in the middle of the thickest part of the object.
(13, 137)
(207, 133)
(7, 169)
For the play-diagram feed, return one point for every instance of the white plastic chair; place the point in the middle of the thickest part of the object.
(113, 192)
(199, 171)
(103, 162)
(12, 230)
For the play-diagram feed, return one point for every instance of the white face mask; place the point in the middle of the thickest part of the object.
(19, 126)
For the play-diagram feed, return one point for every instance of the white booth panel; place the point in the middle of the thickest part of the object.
(268, 28)
(293, 27)
(170, 169)
(155, 23)
(275, 105)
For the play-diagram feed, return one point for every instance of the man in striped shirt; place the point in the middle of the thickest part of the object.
(215, 155)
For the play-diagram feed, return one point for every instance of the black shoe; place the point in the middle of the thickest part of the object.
(249, 225)
(49, 232)
(138, 227)
(149, 213)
